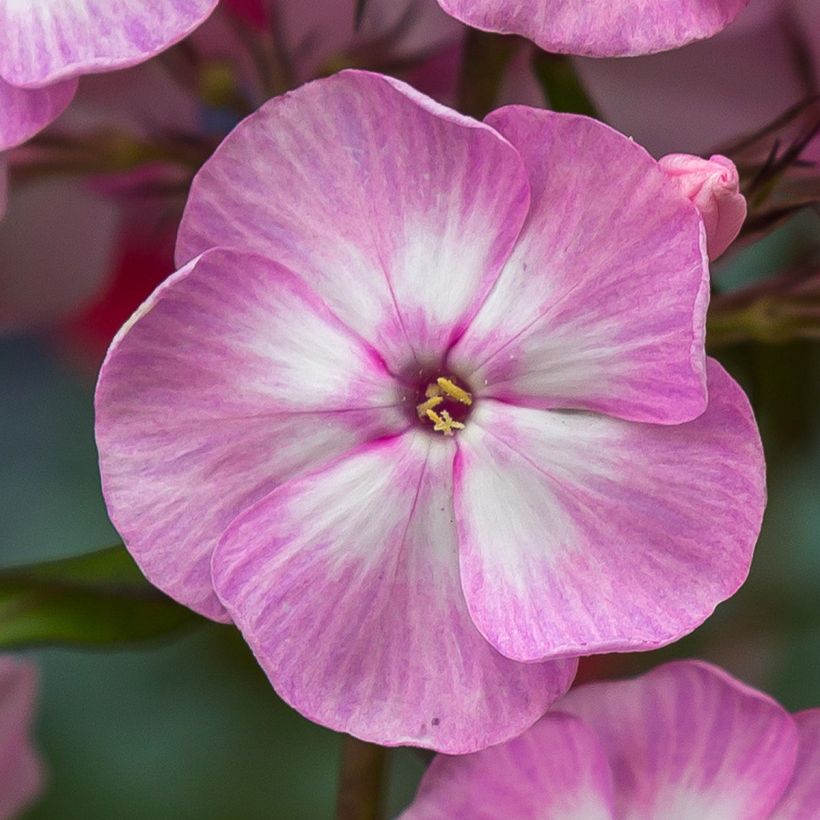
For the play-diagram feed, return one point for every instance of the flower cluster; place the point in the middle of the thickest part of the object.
(426, 410)
(46, 45)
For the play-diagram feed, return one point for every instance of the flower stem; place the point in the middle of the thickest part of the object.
(361, 781)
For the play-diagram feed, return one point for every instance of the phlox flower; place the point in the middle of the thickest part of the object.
(46, 44)
(600, 28)
(21, 772)
(426, 411)
(685, 741)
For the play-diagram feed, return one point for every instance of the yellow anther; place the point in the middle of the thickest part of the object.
(432, 391)
(444, 423)
(432, 401)
(454, 391)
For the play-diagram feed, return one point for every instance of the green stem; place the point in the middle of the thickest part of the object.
(486, 57)
(563, 88)
(361, 781)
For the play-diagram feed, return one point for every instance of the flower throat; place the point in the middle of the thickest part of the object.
(445, 405)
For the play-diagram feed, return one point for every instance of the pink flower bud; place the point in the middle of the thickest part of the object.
(712, 186)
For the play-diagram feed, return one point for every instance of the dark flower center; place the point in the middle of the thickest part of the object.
(443, 404)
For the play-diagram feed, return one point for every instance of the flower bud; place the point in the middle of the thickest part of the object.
(712, 186)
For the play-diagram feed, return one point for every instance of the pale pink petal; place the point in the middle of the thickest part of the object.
(602, 304)
(230, 379)
(600, 27)
(581, 533)
(557, 770)
(24, 112)
(49, 40)
(400, 212)
(713, 187)
(345, 584)
(21, 772)
(688, 742)
(802, 798)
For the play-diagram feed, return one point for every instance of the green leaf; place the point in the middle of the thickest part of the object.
(561, 84)
(96, 599)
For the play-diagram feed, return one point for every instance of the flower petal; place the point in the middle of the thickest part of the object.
(556, 770)
(21, 772)
(399, 212)
(345, 584)
(24, 112)
(52, 40)
(600, 28)
(602, 305)
(688, 741)
(230, 379)
(802, 797)
(581, 533)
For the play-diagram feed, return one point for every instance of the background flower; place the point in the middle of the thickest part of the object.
(598, 27)
(686, 741)
(700, 98)
(117, 165)
(44, 46)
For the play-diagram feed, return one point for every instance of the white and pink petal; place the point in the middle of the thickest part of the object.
(600, 28)
(399, 212)
(557, 770)
(802, 798)
(49, 40)
(686, 740)
(24, 112)
(230, 379)
(580, 533)
(345, 584)
(602, 304)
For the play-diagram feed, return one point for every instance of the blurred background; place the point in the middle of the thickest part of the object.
(187, 725)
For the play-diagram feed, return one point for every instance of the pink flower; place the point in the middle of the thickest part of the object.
(41, 284)
(600, 28)
(425, 410)
(709, 93)
(714, 188)
(21, 772)
(684, 741)
(45, 46)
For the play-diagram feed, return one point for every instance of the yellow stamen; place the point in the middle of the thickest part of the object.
(432, 390)
(454, 391)
(432, 401)
(444, 423)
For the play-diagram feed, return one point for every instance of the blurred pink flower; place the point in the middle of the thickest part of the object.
(600, 28)
(700, 97)
(713, 187)
(92, 219)
(425, 410)
(684, 741)
(45, 46)
(21, 772)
